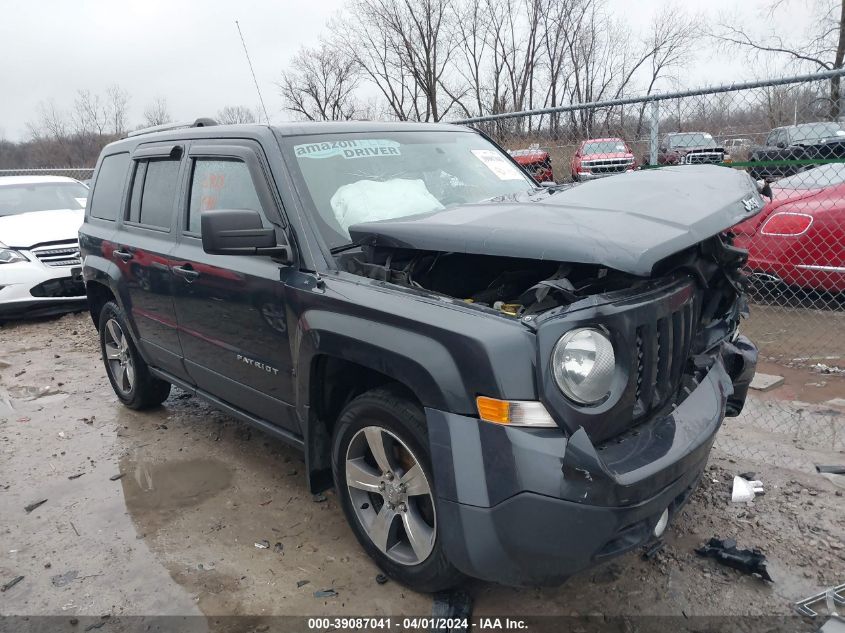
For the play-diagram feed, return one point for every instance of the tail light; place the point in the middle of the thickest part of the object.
(787, 224)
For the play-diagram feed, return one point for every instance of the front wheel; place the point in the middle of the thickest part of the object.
(128, 373)
(383, 476)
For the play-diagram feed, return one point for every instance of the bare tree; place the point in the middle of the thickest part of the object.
(404, 48)
(236, 114)
(157, 113)
(320, 84)
(821, 49)
(117, 109)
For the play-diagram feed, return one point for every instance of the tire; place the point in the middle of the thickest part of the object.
(129, 375)
(401, 427)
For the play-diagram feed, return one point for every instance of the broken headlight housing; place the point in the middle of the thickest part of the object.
(584, 364)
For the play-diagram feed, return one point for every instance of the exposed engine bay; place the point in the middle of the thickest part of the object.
(520, 287)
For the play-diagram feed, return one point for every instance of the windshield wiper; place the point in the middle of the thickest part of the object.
(346, 247)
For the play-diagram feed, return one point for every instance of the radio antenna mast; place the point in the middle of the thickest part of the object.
(249, 61)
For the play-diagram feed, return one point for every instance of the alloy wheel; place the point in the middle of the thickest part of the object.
(391, 495)
(118, 357)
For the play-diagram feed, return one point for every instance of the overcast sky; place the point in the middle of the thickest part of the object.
(188, 51)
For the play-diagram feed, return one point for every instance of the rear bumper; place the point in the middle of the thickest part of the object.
(528, 507)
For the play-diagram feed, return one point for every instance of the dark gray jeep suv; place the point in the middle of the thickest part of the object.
(499, 379)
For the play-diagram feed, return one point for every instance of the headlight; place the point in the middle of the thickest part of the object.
(8, 256)
(583, 363)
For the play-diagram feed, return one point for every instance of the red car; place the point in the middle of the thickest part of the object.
(536, 162)
(799, 237)
(599, 157)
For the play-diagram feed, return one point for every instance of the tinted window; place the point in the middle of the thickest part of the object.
(154, 190)
(220, 184)
(108, 188)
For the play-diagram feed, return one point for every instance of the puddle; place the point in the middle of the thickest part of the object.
(46, 393)
(156, 492)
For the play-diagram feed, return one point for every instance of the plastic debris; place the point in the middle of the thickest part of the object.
(381, 579)
(831, 470)
(453, 606)
(745, 490)
(11, 583)
(325, 593)
(116, 477)
(832, 597)
(318, 498)
(35, 504)
(278, 548)
(265, 544)
(66, 578)
(76, 476)
(725, 552)
(301, 583)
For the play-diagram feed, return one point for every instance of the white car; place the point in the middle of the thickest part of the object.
(40, 268)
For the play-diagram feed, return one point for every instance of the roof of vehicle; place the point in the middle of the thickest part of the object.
(685, 133)
(597, 140)
(33, 180)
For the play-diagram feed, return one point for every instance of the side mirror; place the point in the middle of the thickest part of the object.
(240, 232)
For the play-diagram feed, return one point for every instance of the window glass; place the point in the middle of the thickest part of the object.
(108, 189)
(135, 194)
(42, 196)
(160, 188)
(220, 184)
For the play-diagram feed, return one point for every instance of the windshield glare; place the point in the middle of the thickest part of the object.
(25, 198)
(827, 175)
(363, 177)
(604, 147)
(815, 131)
(690, 140)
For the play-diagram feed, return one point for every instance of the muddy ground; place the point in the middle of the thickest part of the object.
(176, 533)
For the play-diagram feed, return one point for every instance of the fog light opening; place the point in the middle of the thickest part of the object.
(662, 522)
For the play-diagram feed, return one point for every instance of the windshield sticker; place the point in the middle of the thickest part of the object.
(498, 164)
(359, 148)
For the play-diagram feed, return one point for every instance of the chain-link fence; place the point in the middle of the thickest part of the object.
(789, 133)
(82, 174)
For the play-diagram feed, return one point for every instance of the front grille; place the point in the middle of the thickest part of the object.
(703, 158)
(662, 350)
(608, 165)
(59, 255)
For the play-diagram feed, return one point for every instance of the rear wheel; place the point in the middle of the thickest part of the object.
(129, 375)
(383, 477)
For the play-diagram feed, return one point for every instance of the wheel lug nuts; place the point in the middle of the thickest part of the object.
(381, 485)
(403, 507)
(389, 475)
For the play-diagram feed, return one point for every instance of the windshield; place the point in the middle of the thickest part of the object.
(604, 147)
(827, 175)
(693, 139)
(815, 131)
(362, 177)
(43, 196)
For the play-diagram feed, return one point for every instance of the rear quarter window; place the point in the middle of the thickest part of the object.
(108, 188)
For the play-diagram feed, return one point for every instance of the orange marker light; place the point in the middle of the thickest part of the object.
(492, 410)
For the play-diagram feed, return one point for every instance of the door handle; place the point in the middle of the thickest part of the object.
(122, 255)
(186, 272)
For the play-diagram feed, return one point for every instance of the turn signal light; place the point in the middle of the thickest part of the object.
(787, 224)
(513, 412)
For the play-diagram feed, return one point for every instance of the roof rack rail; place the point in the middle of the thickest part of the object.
(201, 122)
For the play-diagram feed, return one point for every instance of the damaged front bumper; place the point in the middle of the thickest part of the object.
(530, 506)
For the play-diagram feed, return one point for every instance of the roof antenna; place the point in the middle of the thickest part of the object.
(249, 61)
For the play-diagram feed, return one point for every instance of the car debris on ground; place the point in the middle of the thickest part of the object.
(831, 469)
(265, 544)
(325, 593)
(744, 490)
(832, 596)
(11, 583)
(725, 551)
(35, 504)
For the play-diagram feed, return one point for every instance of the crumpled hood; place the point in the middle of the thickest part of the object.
(628, 222)
(25, 230)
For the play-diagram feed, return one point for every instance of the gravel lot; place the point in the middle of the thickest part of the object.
(176, 533)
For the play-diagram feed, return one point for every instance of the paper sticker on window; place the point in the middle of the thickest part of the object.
(498, 164)
(359, 148)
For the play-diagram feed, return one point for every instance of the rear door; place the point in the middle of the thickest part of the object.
(143, 247)
(231, 309)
